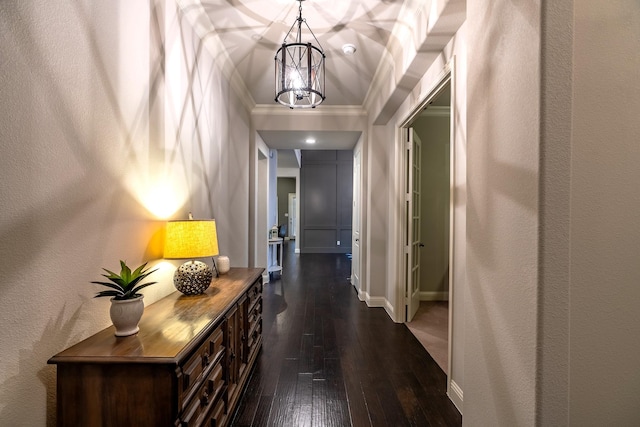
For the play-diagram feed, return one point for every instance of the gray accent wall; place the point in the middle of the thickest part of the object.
(326, 201)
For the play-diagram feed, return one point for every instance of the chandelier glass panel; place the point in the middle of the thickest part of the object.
(299, 73)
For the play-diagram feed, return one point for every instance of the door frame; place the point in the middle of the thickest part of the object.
(447, 76)
(356, 221)
(295, 174)
(292, 225)
(261, 220)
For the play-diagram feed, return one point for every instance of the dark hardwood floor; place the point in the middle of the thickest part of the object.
(329, 360)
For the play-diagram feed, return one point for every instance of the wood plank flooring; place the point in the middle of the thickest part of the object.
(329, 360)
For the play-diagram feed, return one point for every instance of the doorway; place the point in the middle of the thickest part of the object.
(287, 206)
(355, 244)
(293, 216)
(428, 225)
(262, 179)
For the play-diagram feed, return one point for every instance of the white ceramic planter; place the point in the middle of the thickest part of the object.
(125, 315)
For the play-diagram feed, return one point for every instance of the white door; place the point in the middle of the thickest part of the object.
(413, 153)
(293, 216)
(355, 244)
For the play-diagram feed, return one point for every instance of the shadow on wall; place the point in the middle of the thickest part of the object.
(14, 388)
(67, 174)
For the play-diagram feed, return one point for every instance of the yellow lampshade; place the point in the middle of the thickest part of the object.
(191, 239)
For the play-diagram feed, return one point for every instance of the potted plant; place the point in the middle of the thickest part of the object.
(126, 303)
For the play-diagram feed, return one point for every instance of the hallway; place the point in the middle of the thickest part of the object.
(329, 360)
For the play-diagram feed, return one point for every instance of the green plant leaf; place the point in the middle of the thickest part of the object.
(108, 294)
(139, 271)
(109, 285)
(125, 272)
(125, 285)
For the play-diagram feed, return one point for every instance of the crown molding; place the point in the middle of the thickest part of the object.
(327, 110)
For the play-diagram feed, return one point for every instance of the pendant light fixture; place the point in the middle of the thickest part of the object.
(300, 70)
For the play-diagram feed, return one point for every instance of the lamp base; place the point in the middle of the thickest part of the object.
(192, 277)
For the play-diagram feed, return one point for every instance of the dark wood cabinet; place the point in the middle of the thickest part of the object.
(185, 367)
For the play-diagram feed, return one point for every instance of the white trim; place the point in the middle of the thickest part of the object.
(389, 309)
(326, 110)
(452, 224)
(446, 76)
(265, 277)
(434, 296)
(441, 81)
(399, 220)
(376, 301)
(293, 173)
(456, 395)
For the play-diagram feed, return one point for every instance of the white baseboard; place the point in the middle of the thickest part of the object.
(297, 250)
(434, 296)
(455, 395)
(389, 309)
(376, 301)
(265, 277)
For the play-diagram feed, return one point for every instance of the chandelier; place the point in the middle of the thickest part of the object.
(300, 70)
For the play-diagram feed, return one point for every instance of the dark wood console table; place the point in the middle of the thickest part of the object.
(186, 367)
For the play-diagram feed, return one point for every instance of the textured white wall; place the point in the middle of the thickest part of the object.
(605, 215)
(87, 153)
(555, 164)
(503, 99)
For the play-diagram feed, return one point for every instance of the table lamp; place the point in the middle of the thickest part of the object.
(190, 239)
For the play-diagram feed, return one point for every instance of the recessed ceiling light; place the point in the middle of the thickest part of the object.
(310, 141)
(349, 49)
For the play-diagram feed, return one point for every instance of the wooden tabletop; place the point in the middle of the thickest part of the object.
(167, 326)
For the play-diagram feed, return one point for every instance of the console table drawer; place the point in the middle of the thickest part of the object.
(218, 416)
(255, 292)
(255, 312)
(209, 353)
(207, 396)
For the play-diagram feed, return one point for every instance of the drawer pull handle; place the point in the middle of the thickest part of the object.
(206, 359)
(204, 401)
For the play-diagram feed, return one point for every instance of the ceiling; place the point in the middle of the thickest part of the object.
(251, 32)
